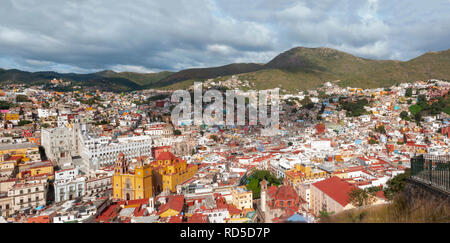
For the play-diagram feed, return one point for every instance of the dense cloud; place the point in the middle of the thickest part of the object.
(145, 36)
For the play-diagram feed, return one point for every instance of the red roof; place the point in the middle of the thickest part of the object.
(198, 218)
(176, 219)
(140, 211)
(175, 202)
(336, 188)
(286, 193)
(134, 202)
(380, 194)
(232, 210)
(165, 156)
(108, 214)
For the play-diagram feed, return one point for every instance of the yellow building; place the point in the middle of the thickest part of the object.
(302, 173)
(36, 169)
(242, 198)
(343, 174)
(170, 171)
(12, 117)
(19, 149)
(129, 185)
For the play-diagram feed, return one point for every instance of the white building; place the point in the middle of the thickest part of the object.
(44, 113)
(60, 143)
(28, 195)
(217, 215)
(68, 185)
(100, 151)
(321, 144)
(98, 183)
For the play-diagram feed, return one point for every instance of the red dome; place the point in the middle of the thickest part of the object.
(286, 193)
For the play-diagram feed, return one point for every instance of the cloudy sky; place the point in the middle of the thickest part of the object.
(146, 36)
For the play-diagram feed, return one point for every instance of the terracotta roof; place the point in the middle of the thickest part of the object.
(165, 156)
(175, 202)
(198, 218)
(176, 219)
(335, 188)
(286, 193)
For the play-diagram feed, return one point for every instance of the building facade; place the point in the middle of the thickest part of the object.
(28, 195)
(131, 185)
(69, 185)
(330, 195)
(242, 198)
(170, 171)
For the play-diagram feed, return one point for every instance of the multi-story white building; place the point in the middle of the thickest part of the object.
(44, 113)
(60, 143)
(158, 129)
(28, 195)
(69, 185)
(304, 191)
(100, 151)
(98, 183)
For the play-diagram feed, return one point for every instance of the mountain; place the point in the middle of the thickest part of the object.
(206, 73)
(106, 80)
(303, 68)
(297, 69)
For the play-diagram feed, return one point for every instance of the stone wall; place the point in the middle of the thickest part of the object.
(416, 191)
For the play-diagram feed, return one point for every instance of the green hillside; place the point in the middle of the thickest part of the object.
(205, 73)
(105, 80)
(296, 69)
(306, 68)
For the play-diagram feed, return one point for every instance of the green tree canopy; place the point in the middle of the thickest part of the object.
(259, 175)
(408, 92)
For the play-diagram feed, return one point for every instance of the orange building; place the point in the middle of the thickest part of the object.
(170, 171)
(131, 185)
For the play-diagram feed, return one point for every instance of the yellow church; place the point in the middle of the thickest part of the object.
(132, 185)
(170, 171)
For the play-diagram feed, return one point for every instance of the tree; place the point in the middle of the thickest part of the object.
(359, 197)
(354, 108)
(259, 175)
(418, 117)
(373, 189)
(306, 101)
(4, 105)
(324, 215)
(380, 129)
(23, 122)
(396, 184)
(22, 98)
(290, 144)
(414, 109)
(176, 132)
(408, 92)
(214, 137)
(404, 115)
(253, 185)
(309, 106)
